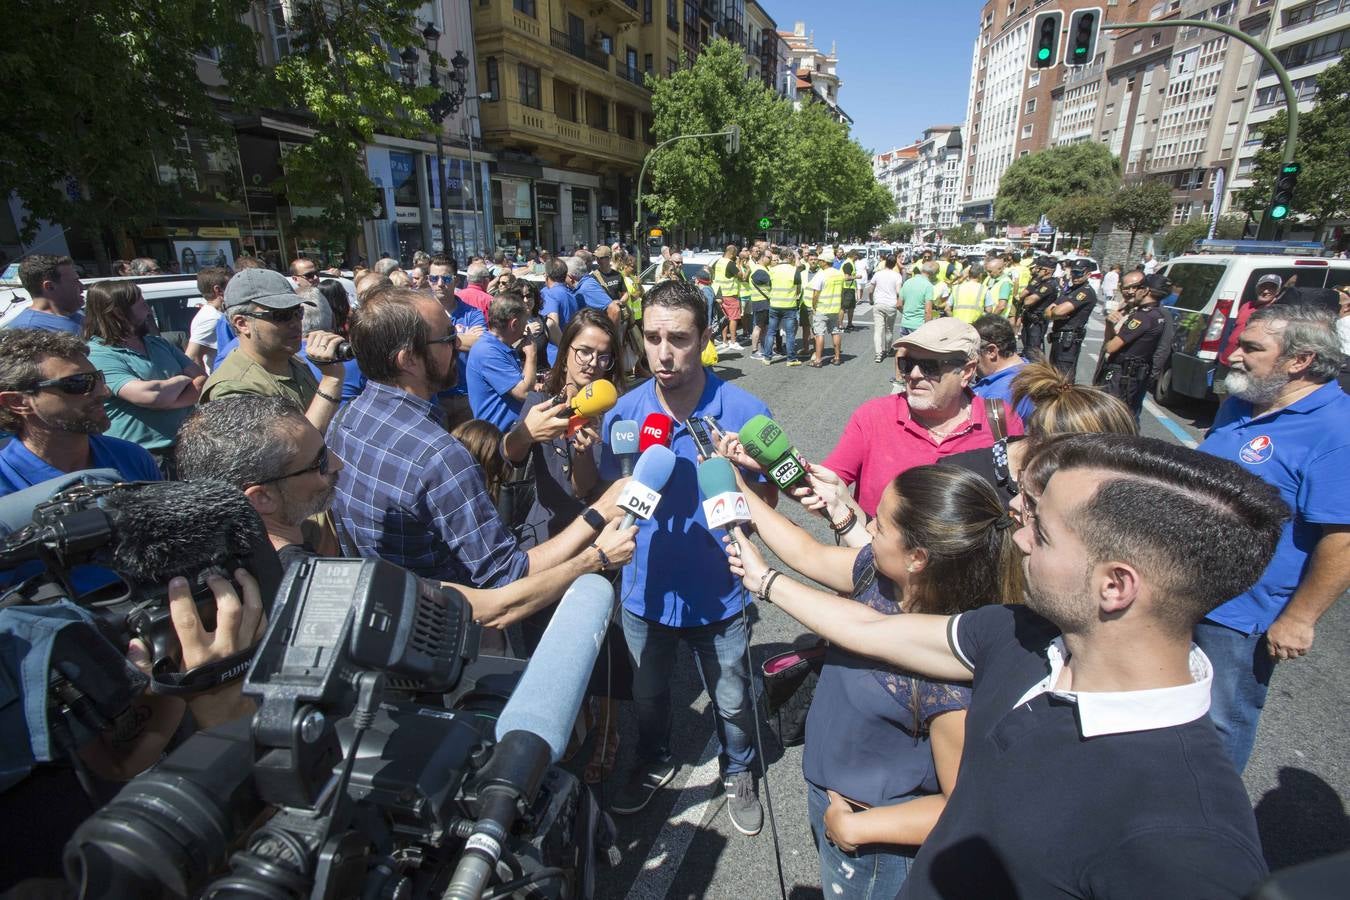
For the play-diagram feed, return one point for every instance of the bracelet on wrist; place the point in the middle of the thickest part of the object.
(329, 397)
(847, 525)
(768, 587)
(604, 560)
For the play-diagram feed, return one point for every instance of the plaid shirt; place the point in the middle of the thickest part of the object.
(411, 494)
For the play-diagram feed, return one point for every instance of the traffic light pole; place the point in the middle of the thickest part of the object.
(1269, 227)
(637, 224)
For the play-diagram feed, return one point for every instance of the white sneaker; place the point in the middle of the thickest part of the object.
(735, 345)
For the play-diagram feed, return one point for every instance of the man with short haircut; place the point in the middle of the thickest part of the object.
(938, 414)
(469, 325)
(1090, 768)
(886, 285)
(825, 293)
(304, 273)
(1127, 360)
(386, 266)
(849, 267)
(498, 380)
(266, 313)
(604, 288)
(558, 303)
(998, 288)
(51, 400)
(916, 298)
(56, 292)
(1287, 421)
(1041, 293)
(998, 363)
(1070, 315)
(202, 335)
(475, 291)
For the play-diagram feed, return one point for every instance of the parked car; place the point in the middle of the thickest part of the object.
(173, 299)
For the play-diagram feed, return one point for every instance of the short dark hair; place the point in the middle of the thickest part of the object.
(440, 259)
(385, 323)
(36, 268)
(998, 331)
(210, 278)
(107, 310)
(240, 440)
(508, 305)
(556, 270)
(1219, 533)
(21, 351)
(679, 294)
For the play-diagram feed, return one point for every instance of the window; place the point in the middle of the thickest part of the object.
(673, 15)
(281, 29)
(1181, 213)
(647, 11)
(565, 101)
(1138, 45)
(1155, 40)
(1194, 283)
(1031, 105)
(625, 120)
(1026, 131)
(1034, 79)
(1315, 50)
(524, 6)
(647, 62)
(494, 84)
(670, 67)
(597, 111)
(529, 86)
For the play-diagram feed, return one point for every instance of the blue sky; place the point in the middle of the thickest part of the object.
(905, 64)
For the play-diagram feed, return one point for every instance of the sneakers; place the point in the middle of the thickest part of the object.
(877, 359)
(747, 816)
(758, 355)
(766, 360)
(794, 362)
(642, 784)
(734, 345)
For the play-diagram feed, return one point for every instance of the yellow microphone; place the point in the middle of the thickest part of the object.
(591, 402)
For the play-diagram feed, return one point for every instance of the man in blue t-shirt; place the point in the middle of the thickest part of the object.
(498, 380)
(56, 291)
(678, 587)
(1287, 421)
(998, 363)
(558, 304)
(469, 323)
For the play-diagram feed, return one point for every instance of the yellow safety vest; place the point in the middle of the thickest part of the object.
(831, 299)
(723, 284)
(958, 271)
(967, 303)
(750, 293)
(784, 287)
(992, 289)
(634, 290)
(743, 280)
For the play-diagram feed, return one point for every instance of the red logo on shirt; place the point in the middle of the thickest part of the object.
(1257, 450)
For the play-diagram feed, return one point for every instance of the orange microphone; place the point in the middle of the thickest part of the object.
(591, 402)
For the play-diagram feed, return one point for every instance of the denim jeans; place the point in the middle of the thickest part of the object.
(719, 654)
(868, 873)
(1242, 670)
(787, 318)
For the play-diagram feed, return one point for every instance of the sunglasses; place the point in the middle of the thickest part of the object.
(81, 385)
(319, 465)
(276, 316)
(310, 276)
(930, 368)
(440, 279)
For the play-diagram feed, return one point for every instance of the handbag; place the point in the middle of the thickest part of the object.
(789, 684)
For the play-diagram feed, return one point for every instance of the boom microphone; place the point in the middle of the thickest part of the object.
(640, 498)
(656, 431)
(767, 445)
(623, 443)
(591, 402)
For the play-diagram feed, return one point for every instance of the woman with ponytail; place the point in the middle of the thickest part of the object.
(883, 745)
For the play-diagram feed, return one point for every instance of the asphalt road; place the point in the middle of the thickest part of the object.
(683, 845)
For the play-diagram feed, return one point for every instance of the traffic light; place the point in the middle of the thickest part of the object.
(1081, 47)
(1283, 199)
(765, 223)
(1045, 39)
(734, 139)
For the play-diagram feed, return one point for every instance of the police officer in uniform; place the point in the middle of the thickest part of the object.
(1041, 294)
(1070, 317)
(1128, 358)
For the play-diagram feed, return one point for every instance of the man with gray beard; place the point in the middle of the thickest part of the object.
(1287, 421)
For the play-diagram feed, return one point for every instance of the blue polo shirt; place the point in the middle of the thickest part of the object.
(464, 317)
(493, 371)
(226, 339)
(1304, 450)
(679, 575)
(45, 321)
(556, 298)
(999, 387)
(590, 292)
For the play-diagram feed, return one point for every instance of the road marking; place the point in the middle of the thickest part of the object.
(663, 862)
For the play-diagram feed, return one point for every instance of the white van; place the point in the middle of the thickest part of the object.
(172, 298)
(1210, 289)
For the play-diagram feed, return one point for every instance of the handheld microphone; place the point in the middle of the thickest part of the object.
(623, 443)
(591, 402)
(767, 445)
(640, 498)
(723, 505)
(656, 431)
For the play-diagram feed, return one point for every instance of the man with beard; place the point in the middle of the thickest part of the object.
(153, 384)
(51, 399)
(469, 324)
(1288, 421)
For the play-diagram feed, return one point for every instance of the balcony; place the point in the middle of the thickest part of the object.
(524, 124)
(579, 48)
(630, 73)
(623, 11)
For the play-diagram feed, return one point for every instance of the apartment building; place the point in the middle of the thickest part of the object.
(817, 73)
(924, 179)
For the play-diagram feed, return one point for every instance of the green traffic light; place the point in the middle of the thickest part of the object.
(1279, 211)
(1043, 53)
(765, 222)
(1079, 51)
(1291, 169)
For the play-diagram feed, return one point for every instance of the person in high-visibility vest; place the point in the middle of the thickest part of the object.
(785, 293)
(849, 268)
(998, 288)
(728, 293)
(743, 291)
(827, 293)
(950, 270)
(967, 299)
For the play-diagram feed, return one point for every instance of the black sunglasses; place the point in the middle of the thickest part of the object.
(929, 368)
(319, 465)
(276, 316)
(81, 385)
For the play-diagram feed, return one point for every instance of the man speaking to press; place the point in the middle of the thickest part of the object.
(678, 587)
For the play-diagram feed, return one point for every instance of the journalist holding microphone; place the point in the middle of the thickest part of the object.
(883, 744)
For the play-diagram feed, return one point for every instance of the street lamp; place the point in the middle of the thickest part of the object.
(445, 103)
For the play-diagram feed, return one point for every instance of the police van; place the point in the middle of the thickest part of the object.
(1211, 285)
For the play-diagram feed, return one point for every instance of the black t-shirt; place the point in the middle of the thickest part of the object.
(1140, 330)
(1083, 299)
(613, 282)
(1041, 811)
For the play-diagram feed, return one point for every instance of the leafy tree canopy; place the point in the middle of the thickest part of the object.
(896, 232)
(1035, 183)
(1143, 207)
(1179, 239)
(1080, 215)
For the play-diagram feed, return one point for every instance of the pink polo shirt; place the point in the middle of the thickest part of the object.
(476, 297)
(881, 440)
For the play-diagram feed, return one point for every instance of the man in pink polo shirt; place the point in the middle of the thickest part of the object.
(937, 416)
(474, 291)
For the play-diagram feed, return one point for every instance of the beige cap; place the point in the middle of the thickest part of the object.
(827, 255)
(943, 336)
(603, 252)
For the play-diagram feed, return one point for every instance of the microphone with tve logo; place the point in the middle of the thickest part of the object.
(641, 496)
(623, 443)
(656, 431)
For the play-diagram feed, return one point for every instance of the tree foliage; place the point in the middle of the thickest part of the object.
(1035, 183)
(1143, 207)
(1323, 190)
(962, 234)
(896, 232)
(1080, 215)
(1179, 239)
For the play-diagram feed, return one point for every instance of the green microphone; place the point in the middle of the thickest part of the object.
(767, 445)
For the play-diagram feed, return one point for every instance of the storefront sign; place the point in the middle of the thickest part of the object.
(581, 205)
(193, 256)
(516, 220)
(404, 214)
(516, 200)
(221, 232)
(163, 231)
(548, 204)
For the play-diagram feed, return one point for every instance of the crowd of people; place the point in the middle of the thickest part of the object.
(1026, 603)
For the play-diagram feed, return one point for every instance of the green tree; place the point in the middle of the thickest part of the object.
(820, 173)
(1323, 190)
(896, 232)
(697, 183)
(962, 234)
(1080, 215)
(1035, 183)
(1179, 239)
(1142, 207)
(98, 101)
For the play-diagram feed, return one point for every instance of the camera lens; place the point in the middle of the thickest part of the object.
(344, 352)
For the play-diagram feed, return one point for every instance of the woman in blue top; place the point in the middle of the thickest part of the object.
(882, 745)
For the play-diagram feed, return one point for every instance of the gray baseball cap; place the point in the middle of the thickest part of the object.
(261, 286)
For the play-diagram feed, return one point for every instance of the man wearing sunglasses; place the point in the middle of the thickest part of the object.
(51, 399)
(265, 312)
(469, 325)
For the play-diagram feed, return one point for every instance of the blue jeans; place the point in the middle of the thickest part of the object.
(875, 871)
(787, 318)
(1242, 670)
(719, 653)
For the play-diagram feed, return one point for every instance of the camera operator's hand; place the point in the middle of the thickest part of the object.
(616, 544)
(240, 622)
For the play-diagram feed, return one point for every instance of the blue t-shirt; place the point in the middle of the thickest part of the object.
(464, 317)
(556, 298)
(1304, 450)
(32, 318)
(999, 387)
(590, 292)
(226, 339)
(679, 575)
(493, 371)
(353, 380)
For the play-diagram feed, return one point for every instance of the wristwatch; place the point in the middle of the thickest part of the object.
(593, 518)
